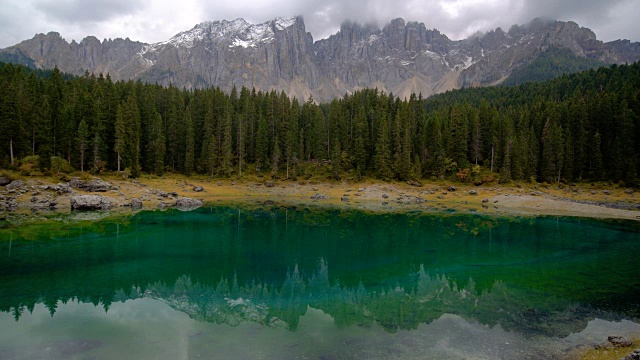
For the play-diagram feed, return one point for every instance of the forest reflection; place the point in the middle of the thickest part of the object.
(418, 298)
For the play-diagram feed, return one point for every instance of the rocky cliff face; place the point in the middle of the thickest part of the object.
(402, 58)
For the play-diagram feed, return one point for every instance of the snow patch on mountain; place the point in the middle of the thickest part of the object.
(468, 62)
(283, 23)
(237, 33)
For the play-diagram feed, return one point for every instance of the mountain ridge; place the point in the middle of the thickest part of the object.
(401, 57)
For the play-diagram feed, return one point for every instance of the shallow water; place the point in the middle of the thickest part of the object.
(270, 284)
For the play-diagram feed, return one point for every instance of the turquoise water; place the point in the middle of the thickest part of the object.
(230, 283)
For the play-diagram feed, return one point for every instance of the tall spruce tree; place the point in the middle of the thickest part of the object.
(189, 142)
(120, 146)
(157, 143)
(83, 142)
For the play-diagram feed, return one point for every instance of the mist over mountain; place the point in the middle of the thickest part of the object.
(401, 57)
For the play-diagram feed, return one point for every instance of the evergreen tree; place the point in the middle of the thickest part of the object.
(457, 147)
(9, 121)
(120, 146)
(596, 158)
(83, 142)
(361, 142)
(336, 160)
(382, 157)
(552, 151)
(157, 143)
(262, 143)
(44, 139)
(209, 154)
(226, 163)
(189, 141)
(275, 163)
(476, 139)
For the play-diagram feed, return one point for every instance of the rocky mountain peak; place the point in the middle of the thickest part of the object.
(402, 57)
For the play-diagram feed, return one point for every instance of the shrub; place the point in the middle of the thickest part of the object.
(60, 165)
(9, 175)
(29, 165)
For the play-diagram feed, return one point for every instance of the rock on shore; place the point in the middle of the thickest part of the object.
(187, 204)
(90, 186)
(90, 202)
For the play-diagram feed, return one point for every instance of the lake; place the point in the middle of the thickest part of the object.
(233, 283)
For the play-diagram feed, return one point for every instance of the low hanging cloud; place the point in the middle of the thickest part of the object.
(152, 21)
(79, 11)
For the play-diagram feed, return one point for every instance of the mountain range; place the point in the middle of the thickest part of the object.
(401, 57)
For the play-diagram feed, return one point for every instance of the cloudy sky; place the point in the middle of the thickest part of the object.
(158, 20)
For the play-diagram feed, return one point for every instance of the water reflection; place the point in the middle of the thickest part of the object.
(534, 277)
(418, 298)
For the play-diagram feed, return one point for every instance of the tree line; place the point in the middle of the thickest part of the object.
(578, 127)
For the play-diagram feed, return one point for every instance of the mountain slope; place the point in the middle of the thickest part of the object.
(551, 64)
(279, 54)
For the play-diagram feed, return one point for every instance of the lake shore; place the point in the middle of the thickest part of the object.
(591, 201)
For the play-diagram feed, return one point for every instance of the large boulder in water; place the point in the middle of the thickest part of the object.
(90, 202)
(187, 204)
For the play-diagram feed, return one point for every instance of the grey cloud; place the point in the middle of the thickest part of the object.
(79, 11)
(157, 21)
(324, 17)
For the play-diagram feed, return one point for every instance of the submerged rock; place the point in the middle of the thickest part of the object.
(90, 202)
(186, 204)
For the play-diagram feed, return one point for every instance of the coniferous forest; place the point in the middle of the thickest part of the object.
(577, 127)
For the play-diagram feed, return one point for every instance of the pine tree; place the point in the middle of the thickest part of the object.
(382, 158)
(226, 163)
(402, 143)
(361, 142)
(292, 146)
(568, 155)
(189, 141)
(552, 151)
(336, 160)
(457, 146)
(275, 163)
(157, 143)
(209, 154)
(44, 138)
(83, 142)
(596, 158)
(120, 146)
(262, 143)
(9, 121)
(132, 120)
(476, 139)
